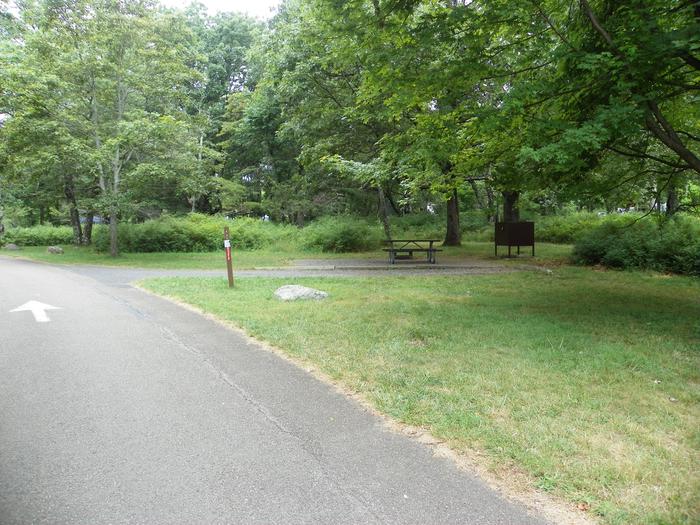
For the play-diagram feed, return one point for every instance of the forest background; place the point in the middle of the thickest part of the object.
(462, 112)
(128, 127)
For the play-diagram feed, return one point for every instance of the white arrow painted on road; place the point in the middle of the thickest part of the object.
(38, 310)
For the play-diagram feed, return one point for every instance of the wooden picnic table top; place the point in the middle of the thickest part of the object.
(412, 240)
(400, 246)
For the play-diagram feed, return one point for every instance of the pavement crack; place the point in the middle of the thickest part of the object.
(248, 398)
(275, 422)
(347, 493)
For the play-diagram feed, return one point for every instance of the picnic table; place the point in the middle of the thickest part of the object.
(406, 247)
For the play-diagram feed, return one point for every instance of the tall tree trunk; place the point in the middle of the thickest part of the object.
(87, 231)
(397, 210)
(672, 203)
(383, 212)
(511, 213)
(477, 195)
(453, 235)
(69, 192)
(113, 247)
(491, 204)
(75, 223)
(2, 215)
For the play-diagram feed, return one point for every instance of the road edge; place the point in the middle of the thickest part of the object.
(508, 481)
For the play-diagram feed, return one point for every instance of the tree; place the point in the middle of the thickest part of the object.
(300, 112)
(620, 79)
(534, 94)
(222, 43)
(119, 72)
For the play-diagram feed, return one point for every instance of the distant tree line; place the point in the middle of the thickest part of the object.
(125, 109)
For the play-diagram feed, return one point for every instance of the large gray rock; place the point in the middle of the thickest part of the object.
(54, 249)
(11, 246)
(293, 292)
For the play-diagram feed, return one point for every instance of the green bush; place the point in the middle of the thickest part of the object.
(484, 234)
(557, 229)
(38, 236)
(342, 234)
(566, 229)
(473, 220)
(473, 224)
(418, 225)
(671, 245)
(193, 233)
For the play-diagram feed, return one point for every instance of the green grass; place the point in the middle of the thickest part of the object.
(586, 381)
(179, 260)
(546, 254)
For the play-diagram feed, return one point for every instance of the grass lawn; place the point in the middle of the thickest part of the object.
(587, 381)
(546, 254)
(198, 261)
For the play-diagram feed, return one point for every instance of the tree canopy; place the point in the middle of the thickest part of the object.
(127, 109)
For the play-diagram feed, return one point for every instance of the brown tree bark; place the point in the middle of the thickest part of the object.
(511, 213)
(477, 194)
(672, 203)
(390, 198)
(491, 203)
(453, 235)
(87, 230)
(69, 192)
(113, 247)
(664, 131)
(383, 213)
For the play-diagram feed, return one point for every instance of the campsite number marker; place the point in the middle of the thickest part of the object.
(229, 264)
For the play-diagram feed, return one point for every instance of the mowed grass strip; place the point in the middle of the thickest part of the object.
(587, 381)
(166, 260)
(271, 257)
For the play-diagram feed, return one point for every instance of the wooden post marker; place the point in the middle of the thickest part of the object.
(229, 264)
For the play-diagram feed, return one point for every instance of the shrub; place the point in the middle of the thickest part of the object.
(473, 223)
(558, 229)
(342, 234)
(671, 245)
(473, 220)
(38, 236)
(484, 234)
(566, 229)
(193, 233)
(418, 225)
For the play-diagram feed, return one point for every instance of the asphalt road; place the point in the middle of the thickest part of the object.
(125, 408)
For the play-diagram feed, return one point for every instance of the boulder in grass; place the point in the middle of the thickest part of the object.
(294, 292)
(57, 250)
(12, 247)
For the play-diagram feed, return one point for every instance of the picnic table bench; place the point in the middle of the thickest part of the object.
(408, 246)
